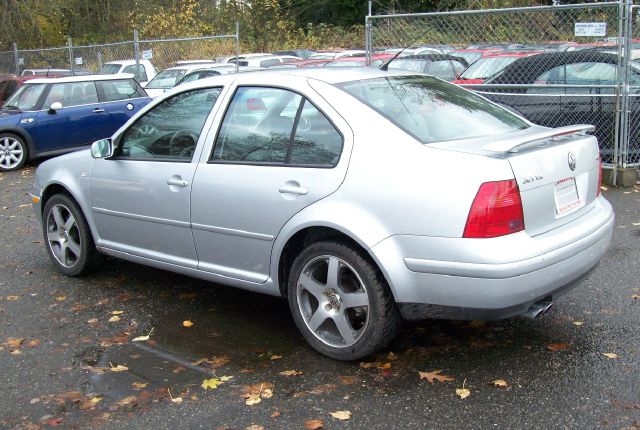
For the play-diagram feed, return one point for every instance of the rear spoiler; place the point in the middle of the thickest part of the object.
(552, 134)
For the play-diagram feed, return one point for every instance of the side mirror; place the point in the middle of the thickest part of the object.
(102, 148)
(55, 106)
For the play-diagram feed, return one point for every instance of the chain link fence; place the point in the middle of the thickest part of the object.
(554, 65)
(162, 53)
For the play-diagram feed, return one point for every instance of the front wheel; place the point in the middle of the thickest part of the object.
(67, 236)
(341, 302)
(13, 152)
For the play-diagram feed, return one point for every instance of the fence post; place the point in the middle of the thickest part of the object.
(16, 58)
(99, 62)
(626, 91)
(136, 53)
(70, 47)
(237, 45)
(367, 34)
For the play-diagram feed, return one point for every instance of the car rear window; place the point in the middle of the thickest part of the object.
(119, 90)
(431, 110)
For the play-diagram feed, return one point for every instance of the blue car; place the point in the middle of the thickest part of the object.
(57, 115)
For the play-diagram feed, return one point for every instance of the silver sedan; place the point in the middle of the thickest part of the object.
(363, 196)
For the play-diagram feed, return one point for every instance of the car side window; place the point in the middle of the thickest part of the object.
(140, 75)
(276, 126)
(118, 90)
(170, 131)
(316, 140)
(257, 126)
(72, 94)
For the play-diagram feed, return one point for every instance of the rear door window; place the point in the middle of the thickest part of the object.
(121, 89)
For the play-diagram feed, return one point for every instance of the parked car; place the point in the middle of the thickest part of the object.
(172, 76)
(9, 84)
(376, 61)
(582, 105)
(300, 53)
(49, 116)
(442, 66)
(266, 61)
(333, 55)
(145, 72)
(263, 181)
(234, 59)
(55, 72)
(211, 70)
(489, 65)
(301, 63)
(471, 55)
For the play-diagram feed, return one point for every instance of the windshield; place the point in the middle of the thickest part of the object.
(431, 110)
(111, 69)
(26, 98)
(485, 67)
(166, 79)
(471, 57)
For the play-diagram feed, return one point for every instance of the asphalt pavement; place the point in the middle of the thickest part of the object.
(221, 358)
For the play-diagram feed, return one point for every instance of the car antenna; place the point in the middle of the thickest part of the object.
(385, 66)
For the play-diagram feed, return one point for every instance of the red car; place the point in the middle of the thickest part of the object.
(10, 83)
(489, 65)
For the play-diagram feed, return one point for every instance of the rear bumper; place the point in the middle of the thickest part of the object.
(492, 278)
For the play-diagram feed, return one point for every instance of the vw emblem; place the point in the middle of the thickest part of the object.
(572, 160)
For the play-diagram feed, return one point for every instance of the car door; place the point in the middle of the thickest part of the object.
(275, 153)
(122, 98)
(81, 120)
(140, 196)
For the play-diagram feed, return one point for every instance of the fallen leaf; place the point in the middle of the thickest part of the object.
(635, 297)
(290, 373)
(341, 415)
(143, 338)
(187, 323)
(500, 383)
(375, 364)
(128, 401)
(313, 424)
(610, 355)
(578, 323)
(211, 383)
(92, 321)
(16, 352)
(275, 414)
(114, 318)
(214, 362)
(179, 369)
(226, 378)
(557, 346)
(12, 298)
(61, 298)
(176, 399)
(463, 392)
(14, 342)
(118, 368)
(96, 400)
(139, 385)
(254, 393)
(117, 312)
(435, 375)
(252, 399)
(347, 380)
(276, 357)
(254, 427)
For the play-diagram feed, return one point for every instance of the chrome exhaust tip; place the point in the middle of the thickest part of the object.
(537, 309)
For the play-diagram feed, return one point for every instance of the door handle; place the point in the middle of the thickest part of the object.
(292, 187)
(176, 182)
(98, 110)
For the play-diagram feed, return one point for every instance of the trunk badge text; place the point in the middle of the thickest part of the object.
(529, 179)
(572, 160)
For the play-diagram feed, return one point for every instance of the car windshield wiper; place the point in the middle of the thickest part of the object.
(11, 107)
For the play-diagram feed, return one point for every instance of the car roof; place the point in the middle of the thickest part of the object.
(83, 78)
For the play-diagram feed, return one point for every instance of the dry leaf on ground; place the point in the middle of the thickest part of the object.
(610, 354)
(463, 392)
(211, 383)
(255, 427)
(114, 318)
(341, 415)
(313, 424)
(143, 338)
(187, 323)
(276, 357)
(500, 383)
(290, 373)
(253, 394)
(557, 346)
(117, 312)
(118, 368)
(375, 364)
(435, 375)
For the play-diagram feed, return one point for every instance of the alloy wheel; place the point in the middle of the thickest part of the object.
(333, 301)
(11, 152)
(63, 236)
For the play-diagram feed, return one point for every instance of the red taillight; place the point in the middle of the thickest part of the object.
(496, 211)
(599, 175)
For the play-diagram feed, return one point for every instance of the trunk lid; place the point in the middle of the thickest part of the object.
(556, 171)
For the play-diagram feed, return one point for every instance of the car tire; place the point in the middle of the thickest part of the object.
(67, 237)
(341, 302)
(13, 152)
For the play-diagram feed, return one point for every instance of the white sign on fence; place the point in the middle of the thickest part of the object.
(147, 55)
(20, 61)
(590, 28)
(78, 61)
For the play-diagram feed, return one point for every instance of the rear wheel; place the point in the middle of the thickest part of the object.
(341, 302)
(13, 152)
(66, 233)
